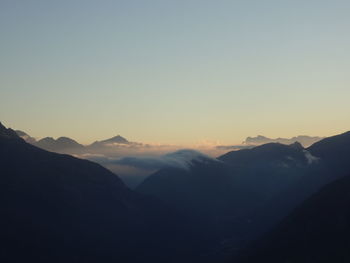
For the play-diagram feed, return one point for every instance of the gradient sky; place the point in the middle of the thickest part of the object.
(178, 71)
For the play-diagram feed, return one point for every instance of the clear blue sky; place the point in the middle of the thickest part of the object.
(175, 71)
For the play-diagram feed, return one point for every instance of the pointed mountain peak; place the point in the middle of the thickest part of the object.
(118, 139)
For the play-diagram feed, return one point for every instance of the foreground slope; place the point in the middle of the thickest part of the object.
(317, 231)
(334, 152)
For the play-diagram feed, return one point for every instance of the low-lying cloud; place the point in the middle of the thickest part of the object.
(179, 159)
(310, 158)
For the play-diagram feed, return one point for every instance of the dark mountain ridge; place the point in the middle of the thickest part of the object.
(57, 208)
(249, 191)
(74, 209)
(317, 231)
(333, 151)
(226, 194)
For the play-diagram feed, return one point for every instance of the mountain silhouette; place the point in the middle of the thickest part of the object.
(26, 137)
(317, 231)
(57, 208)
(70, 146)
(7, 133)
(114, 140)
(334, 152)
(302, 139)
(226, 194)
(252, 189)
(245, 193)
(271, 153)
(61, 144)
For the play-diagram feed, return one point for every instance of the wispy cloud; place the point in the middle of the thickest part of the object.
(179, 159)
(310, 158)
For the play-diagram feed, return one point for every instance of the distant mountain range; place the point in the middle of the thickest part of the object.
(65, 144)
(68, 145)
(302, 139)
(59, 145)
(251, 142)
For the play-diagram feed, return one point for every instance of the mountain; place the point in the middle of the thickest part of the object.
(179, 182)
(254, 188)
(317, 231)
(61, 144)
(7, 133)
(26, 137)
(245, 193)
(302, 139)
(70, 146)
(334, 151)
(271, 153)
(226, 194)
(57, 208)
(331, 159)
(332, 162)
(114, 140)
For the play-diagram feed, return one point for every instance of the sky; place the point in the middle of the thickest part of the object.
(177, 72)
